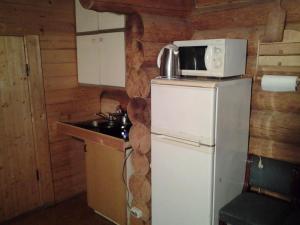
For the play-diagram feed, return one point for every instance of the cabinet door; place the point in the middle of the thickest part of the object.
(112, 59)
(88, 59)
(86, 20)
(110, 21)
(106, 192)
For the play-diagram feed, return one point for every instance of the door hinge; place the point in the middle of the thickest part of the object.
(37, 175)
(27, 69)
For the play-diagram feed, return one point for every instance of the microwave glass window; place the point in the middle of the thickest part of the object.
(192, 58)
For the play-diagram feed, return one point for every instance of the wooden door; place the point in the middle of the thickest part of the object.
(19, 188)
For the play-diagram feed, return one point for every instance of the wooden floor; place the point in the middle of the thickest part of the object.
(71, 212)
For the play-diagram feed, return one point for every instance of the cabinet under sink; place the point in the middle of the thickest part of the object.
(106, 171)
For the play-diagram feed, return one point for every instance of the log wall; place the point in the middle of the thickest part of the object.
(54, 22)
(274, 126)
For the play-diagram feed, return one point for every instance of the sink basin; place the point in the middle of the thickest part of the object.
(111, 128)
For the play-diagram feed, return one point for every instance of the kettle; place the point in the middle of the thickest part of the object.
(168, 61)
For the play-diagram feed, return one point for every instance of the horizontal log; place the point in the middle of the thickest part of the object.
(275, 150)
(150, 52)
(140, 188)
(139, 138)
(276, 126)
(165, 29)
(248, 16)
(252, 34)
(288, 102)
(140, 163)
(137, 83)
(139, 111)
(175, 7)
(231, 18)
(279, 49)
(217, 5)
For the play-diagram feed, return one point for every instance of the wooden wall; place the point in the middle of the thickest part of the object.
(54, 22)
(274, 126)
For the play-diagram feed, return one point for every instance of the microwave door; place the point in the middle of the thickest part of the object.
(192, 58)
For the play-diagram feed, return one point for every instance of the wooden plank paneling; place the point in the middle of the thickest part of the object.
(61, 82)
(59, 56)
(55, 70)
(279, 49)
(58, 42)
(54, 21)
(68, 168)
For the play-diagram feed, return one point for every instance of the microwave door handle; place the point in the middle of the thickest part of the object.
(208, 57)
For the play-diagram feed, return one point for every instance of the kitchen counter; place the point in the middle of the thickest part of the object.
(88, 135)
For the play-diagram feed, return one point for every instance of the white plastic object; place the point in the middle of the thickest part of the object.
(169, 46)
(136, 212)
(260, 164)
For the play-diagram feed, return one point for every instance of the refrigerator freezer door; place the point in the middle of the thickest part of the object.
(184, 112)
(181, 182)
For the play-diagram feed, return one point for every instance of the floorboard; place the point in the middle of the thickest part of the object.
(71, 212)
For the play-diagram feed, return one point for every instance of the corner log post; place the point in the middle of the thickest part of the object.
(146, 35)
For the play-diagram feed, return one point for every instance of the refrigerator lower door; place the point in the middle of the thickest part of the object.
(182, 176)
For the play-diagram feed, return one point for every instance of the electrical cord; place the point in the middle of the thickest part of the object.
(123, 174)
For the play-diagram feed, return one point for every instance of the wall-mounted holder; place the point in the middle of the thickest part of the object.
(279, 83)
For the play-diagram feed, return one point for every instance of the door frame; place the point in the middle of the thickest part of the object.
(39, 118)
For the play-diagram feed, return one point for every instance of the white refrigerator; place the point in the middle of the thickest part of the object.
(199, 138)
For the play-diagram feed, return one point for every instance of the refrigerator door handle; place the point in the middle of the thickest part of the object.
(180, 141)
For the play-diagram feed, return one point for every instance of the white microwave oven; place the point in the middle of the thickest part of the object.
(212, 57)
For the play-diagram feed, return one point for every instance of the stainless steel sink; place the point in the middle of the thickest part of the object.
(108, 127)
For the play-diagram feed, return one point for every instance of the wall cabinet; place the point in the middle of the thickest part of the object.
(100, 55)
(101, 59)
(89, 20)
